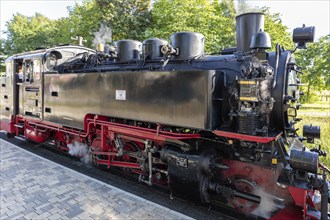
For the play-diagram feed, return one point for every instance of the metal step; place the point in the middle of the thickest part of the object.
(19, 125)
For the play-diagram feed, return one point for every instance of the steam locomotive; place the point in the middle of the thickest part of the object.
(215, 128)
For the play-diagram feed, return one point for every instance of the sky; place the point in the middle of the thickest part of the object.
(52, 9)
(294, 13)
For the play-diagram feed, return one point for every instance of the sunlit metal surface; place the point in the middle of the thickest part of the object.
(141, 96)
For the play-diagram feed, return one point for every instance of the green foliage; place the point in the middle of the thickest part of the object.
(128, 19)
(2, 56)
(320, 117)
(215, 20)
(278, 32)
(315, 63)
(27, 33)
(133, 19)
(64, 32)
(311, 96)
(83, 21)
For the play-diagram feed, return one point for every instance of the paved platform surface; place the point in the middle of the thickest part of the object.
(32, 187)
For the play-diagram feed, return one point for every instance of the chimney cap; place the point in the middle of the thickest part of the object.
(250, 13)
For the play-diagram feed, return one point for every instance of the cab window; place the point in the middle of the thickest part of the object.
(36, 70)
(19, 70)
(51, 62)
(28, 70)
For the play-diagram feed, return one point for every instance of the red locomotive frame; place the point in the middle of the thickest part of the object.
(40, 131)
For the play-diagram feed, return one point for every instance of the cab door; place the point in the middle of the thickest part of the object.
(31, 92)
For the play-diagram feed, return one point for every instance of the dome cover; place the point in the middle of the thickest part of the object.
(260, 40)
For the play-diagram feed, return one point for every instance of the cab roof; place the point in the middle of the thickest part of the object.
(42, 53)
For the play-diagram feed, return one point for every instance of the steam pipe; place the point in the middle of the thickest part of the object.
(247, 196)
(224, 190)
(324, 197)
(277, 57)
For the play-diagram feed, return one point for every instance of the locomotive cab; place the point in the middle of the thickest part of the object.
(22, 87)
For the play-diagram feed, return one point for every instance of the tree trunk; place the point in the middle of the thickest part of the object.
(308, 92)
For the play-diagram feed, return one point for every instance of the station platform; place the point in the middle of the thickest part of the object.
(32, 187)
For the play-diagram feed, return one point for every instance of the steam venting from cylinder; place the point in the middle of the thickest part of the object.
(101, 37)
(246, 26)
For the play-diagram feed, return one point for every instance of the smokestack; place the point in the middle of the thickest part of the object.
(246, 26)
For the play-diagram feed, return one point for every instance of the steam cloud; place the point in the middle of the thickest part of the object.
(267, 204)
(79, 150)
(242, 6)
(102, 35)
(265, 94)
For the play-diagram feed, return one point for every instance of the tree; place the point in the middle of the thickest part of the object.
(128, 19)
(226, 32)
(63, 32)
(315, 63)
(278, 32)
(83, 20)
(212, 19)
(26, 33)
(2, 56)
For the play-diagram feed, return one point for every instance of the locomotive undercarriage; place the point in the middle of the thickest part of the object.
(198, 165)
